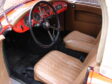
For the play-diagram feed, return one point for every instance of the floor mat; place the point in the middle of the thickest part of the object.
(21, 53)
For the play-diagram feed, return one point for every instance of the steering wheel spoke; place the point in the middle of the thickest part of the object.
(41, 13)
(52, 27)
(51, 37)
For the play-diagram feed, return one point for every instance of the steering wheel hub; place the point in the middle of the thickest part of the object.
(46, 25)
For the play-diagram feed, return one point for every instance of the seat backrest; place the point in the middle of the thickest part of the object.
(89, 61)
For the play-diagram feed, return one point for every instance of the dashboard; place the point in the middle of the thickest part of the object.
(23, 26)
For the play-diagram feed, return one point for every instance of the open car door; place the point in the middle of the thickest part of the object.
(4, 78)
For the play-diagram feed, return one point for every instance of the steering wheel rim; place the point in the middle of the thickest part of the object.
(31, 28)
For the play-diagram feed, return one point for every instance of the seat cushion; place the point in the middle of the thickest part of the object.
(79, 41)
(57, 68)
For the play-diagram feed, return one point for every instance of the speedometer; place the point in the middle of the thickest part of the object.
(36, 16)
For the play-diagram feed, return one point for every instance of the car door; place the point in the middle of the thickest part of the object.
(4, 77)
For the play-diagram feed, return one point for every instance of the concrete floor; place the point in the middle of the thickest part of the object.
(15, 82)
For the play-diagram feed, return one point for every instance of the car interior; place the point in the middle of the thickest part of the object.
(55, 43)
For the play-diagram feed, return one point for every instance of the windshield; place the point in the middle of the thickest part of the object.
(11, 3)
(6, 4)
(2, 3)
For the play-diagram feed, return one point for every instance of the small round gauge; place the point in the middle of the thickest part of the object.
(26, 21)
(36, 16)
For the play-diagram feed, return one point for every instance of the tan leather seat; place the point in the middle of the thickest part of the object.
(80, 41)
(59, 68)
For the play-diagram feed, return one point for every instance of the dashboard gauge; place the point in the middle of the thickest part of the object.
(36, 16)
(26, 21)
(47, 9)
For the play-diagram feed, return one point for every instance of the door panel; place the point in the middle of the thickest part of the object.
(4, 77)
(84, 18)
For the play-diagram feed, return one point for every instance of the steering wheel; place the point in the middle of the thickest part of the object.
(44, 20)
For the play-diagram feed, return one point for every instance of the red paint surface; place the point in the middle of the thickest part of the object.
(21, 27)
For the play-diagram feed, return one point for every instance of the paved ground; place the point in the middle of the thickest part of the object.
(15, 82)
